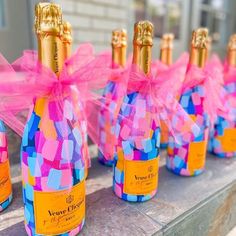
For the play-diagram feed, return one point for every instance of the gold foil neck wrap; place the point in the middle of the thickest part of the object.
(199, 47)
(166, 48)
(200, 38)
(167, 41)
(231, 50)
(143, 33)
(142, 45)
(67, 39)
(48, 18)
(49, 29)
(119, 38)
(119, 47)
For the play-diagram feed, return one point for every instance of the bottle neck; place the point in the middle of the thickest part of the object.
(67, 50)
(142, 57)
(123, 50)
(50, 52)
(198, 57)
(231, 57)
(115, 56)
(166, 56)
(118, 56)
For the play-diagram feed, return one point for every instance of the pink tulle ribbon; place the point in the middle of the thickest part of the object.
(85, 71)
(164, 105)
(211, 78)
(171, 76)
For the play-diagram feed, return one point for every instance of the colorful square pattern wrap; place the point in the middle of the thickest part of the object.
(107, 116)
(201, 99)
(5, 177)
(136, 163)
(222, 141)
(54, 149)
(176, 74)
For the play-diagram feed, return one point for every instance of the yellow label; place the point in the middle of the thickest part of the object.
(140, 177)
(228, 141)
(5, 181)
(59, 212)
(197, 155)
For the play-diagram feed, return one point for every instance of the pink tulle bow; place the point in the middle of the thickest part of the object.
(171, 76)
(211, 78)
(84, 70)
(164, 105)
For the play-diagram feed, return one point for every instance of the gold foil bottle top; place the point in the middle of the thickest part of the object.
(231, 50)
(167, 41)
(200, 38)
(67, 32)
(199, 47)
(119, 38)
(48, 18)
(166, 48)
(143, 33)
(119, 45)
(142, 45)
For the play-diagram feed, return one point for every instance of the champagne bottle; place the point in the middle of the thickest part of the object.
(189, 158)
(51, 151)
(5, 177)
(112, 94)
(135, 174)
(166, 58)
(222, 140)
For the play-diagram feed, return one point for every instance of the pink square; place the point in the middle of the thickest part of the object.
(25, 171)
(2, 139)
(125, 131)
(182, 153)
(66, 179)
(49, 149)
(196, 99)
(118, 190)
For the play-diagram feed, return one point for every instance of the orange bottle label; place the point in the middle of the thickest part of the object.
(140, 177)
(197, 155)
(59, 212)
(5, 181)
(228, 140)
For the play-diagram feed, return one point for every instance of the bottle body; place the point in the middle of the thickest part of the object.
(107, 122)
(188, 158)
(53, 167)
(222, 142)
(5, 177)
(136, 162)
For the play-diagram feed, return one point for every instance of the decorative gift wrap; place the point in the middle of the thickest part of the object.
(188, 158)
(5, 177)
(136, 164)
(200, 99)
(113, 95)
(54, 148)
(222, 140)
(175, 75)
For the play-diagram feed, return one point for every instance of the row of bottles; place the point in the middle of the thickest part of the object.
(54, 146)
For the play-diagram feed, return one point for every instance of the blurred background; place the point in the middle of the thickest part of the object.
(93, 21)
